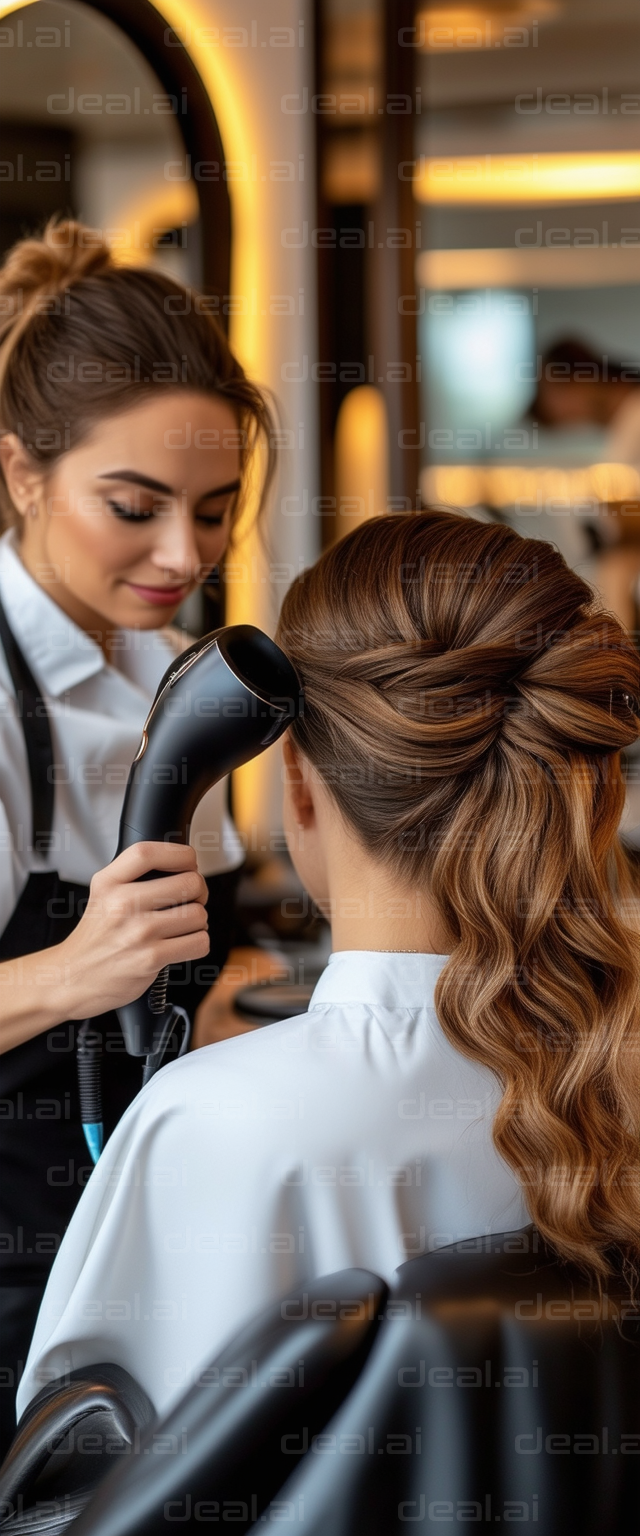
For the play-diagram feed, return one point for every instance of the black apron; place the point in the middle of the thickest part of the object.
(44, 1159)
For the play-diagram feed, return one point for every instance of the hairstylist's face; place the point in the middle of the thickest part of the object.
(137, 515)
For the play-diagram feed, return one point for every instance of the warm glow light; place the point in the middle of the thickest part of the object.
(530, 266)
(352, 168)
(361, 458)
(6, 6)
(451, 28)
(242, 137)
(527, 179)
(529, 486)
(164, 208)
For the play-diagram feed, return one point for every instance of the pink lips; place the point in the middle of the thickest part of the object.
(160, 597)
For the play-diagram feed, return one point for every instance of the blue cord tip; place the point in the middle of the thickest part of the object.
(94, 1137)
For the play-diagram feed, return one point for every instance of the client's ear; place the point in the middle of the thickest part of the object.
(298, 784)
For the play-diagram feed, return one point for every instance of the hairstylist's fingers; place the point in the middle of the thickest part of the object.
(173, 921)
(168, 891)
(173, 951)
(141, 858)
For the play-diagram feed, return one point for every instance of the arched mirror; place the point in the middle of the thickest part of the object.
(104, 116)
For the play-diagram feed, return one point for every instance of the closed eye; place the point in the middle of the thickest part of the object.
(211, 519)
(214, 516)
(131, 514)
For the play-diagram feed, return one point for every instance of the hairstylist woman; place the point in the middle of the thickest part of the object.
(469, 1059)
(127, 425)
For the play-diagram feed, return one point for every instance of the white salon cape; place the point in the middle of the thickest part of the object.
(353, 1135)
(96, 712)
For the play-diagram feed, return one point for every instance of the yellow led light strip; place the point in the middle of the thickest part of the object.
(533, 265)
(508, 485)
(243, 138)
(527, 179)
(454, 28)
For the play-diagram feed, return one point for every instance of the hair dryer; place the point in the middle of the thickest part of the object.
(220, 703)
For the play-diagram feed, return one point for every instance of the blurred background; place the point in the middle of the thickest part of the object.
(421, 225)
(514, 184)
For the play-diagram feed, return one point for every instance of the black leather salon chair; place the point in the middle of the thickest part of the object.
(501, 1391)
(497, 1388)
(67, 1440)
(225, 1450)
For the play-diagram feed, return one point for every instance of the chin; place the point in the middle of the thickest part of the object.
(149, 618)
(131, 612)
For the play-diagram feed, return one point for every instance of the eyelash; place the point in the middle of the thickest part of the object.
(130, 516)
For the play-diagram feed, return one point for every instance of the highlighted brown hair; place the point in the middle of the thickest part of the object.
(82, 338)
(467, 701)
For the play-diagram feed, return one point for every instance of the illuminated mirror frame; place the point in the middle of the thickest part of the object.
(176, 71)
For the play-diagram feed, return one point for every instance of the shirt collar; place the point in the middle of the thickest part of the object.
(389, 980)
(59, 652)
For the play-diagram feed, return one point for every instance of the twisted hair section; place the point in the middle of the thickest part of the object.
(467, 702)
(82, 338)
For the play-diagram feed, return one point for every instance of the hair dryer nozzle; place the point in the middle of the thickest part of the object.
(220, 703)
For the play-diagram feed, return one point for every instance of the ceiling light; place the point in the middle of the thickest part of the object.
(526, 179)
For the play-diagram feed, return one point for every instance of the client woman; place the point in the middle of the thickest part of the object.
(470, 1056)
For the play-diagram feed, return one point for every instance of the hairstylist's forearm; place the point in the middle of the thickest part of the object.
(34, 995)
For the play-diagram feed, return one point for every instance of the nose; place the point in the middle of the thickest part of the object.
(175, 551)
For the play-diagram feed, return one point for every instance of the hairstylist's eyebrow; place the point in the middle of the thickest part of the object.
(131, 477)
(222, 490)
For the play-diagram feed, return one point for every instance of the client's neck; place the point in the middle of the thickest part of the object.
(370, 908)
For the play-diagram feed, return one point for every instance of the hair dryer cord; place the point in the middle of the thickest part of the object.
(164, 1031)
(89, 1059)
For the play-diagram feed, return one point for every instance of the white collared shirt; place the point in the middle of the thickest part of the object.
(96, 711)
(354, 1135)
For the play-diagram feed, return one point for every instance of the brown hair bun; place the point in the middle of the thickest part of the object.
(65, 253)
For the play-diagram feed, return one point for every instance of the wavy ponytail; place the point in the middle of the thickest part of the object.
(467, 700)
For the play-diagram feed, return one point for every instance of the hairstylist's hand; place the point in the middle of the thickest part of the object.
(131, 928)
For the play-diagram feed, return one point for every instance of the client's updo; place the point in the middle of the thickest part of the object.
(82, 338)
(466, 702)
